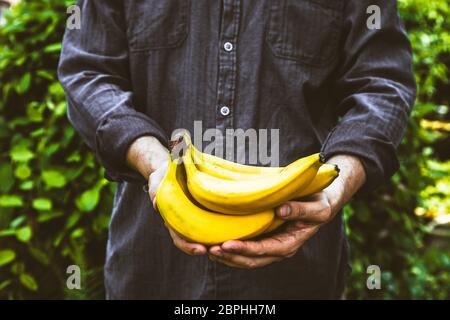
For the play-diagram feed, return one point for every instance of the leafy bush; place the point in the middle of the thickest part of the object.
(383, 229)
(55, 204)
(51, 215)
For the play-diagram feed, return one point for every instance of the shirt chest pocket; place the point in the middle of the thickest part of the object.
(156, 24)
(307, 31)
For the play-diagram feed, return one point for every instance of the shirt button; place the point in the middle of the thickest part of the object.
(225, 111)
(228, 46)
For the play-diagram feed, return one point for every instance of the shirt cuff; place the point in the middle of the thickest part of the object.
(377, 154)
(114, 136)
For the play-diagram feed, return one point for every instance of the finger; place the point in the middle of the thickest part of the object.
(187, 247)
(316, 211)
(304, 231)
(215, 250)
(284, 244)
(154, 204)
(239, 261)
(155, 179)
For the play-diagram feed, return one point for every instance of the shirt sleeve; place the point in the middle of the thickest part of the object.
(374, 89)
(94, 72)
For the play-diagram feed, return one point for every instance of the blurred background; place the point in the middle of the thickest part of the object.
(55, 203)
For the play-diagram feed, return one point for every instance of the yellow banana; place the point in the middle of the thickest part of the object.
(250, 195)
(205, 165)
(325, 176)
(199, 225)
(221, 167)
(277, 222)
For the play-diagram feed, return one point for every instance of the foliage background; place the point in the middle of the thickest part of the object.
(55, 204)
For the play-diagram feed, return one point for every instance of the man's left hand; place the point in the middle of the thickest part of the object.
(303, 220)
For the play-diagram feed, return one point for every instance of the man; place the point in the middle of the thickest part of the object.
(137, 70)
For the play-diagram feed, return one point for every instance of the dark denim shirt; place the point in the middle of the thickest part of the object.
(310, 68)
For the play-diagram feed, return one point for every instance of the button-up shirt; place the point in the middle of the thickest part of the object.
(316, 70)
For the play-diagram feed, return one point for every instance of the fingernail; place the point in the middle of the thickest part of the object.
(229, 246)
(195, 251)
(285, 211)
(218, 253)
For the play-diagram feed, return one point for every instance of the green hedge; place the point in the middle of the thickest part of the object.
(55, 204)
(383, 229)
(51, 185)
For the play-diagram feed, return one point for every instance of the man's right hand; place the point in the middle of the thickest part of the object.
(150, 158)
(187, 247)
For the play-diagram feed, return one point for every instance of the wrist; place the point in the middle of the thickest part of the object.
(146, 154)
(351, 178)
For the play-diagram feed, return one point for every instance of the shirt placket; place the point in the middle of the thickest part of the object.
(226, 100)
(226, 91)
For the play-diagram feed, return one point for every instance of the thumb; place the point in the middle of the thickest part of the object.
(154, 181)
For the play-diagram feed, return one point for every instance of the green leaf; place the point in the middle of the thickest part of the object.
(51, 149)
(74, 157)
(60, 109)
(34, 112)
(88, 200)
(55, 89)
(28, 281)
(24, 234)
(77, 233)
(18, 267)
(6, 256)
(24, 83)
(58, 239)
(37, 133)
(17, 221)
(26, 185)
(11, 201)
(6, 177)
(22, 172)
(21, 153)
(40, 255)
(54, 179)
(4, 284)
(72, 220)
(46, 74)
(7, 232)
(55, 47)
(20, 61)
(48, 215)
(42, 204)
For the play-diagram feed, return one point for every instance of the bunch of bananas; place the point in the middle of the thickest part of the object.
(210, 200)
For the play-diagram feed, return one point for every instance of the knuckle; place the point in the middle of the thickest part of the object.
(326, 213)
(261, 250)
(297, 210)
(259, 253)
(291, 238)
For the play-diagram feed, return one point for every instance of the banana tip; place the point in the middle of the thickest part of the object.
(174, 143)
(336, 167)
(321, 158)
